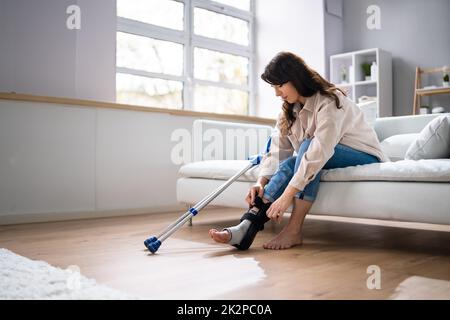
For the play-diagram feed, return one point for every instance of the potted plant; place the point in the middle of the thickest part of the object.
(445, 79)
(343, 74)
(366, 70)
(424, 109)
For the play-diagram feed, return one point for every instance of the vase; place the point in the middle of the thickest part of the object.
(374, 71)
(424, 110)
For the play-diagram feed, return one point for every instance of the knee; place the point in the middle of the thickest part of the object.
(287, 165)
(301, 151)
(304, 146)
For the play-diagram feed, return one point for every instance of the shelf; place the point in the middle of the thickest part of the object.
(342, 56)
(344, 85)
(357, 85)
(365, 83)
(431, 91)
(427, 91)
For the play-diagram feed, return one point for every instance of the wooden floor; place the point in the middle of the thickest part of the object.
(331, 264)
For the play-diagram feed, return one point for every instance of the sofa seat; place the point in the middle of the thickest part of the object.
(399, 191)
(430, 170)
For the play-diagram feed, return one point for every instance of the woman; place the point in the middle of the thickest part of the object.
(324, 128)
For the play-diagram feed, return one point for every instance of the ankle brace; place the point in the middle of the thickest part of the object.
(257, 218)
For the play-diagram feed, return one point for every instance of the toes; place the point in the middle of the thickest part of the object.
(272, 245)
(212, 232)
(219, 236)
(269, 245)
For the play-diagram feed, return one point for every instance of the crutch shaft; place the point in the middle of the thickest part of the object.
(199, 206)
(216, 193)
(187, 213)
(174, 228)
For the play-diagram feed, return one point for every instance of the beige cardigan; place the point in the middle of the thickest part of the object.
(322, 120)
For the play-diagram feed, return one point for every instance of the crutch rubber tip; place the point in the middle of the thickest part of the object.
(153, 246)
(150, 240)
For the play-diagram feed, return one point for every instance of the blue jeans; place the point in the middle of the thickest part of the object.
(343, 156)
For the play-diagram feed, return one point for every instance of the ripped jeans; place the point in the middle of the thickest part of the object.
(343, 156)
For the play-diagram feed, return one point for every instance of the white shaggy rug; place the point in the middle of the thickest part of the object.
(22, 278)
(421, 288)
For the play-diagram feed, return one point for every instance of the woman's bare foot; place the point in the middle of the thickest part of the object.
(220, 236)
(284, 240)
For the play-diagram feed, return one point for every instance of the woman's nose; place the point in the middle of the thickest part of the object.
(277, 92)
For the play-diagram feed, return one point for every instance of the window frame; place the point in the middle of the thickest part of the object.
(190, 40)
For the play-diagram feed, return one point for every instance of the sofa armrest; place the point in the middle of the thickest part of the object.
(221, 140)
(389, 126)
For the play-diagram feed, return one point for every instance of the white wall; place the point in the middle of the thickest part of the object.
(69, 160)
(286, 25)
(46, 160)
(95, 69)
(133, 159)
(334, 33)
(39, 55)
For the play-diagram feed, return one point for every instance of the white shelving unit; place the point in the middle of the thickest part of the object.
(356, 85)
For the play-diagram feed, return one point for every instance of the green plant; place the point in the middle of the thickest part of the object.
(344, 73)
(366, 68)
(446, 77)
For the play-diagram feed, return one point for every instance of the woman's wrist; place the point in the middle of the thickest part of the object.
(262, 181)
(290, 191)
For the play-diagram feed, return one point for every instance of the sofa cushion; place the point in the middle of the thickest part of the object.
(427, 170)
(431, 170)
(395, 147)
(218, 170)
(432, 142)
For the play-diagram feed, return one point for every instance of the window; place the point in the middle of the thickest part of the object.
(185, 54)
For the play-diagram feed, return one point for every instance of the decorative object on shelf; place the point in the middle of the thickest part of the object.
(438, 110)
(369, 109)
(363, 99)
(445, 78)
(366, 70)
(343, 74)
(374, 71)
(424, 109)
(351, 72)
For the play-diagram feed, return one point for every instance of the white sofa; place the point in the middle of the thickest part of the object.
(404, 190)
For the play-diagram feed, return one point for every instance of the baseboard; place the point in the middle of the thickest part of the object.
(20, 218)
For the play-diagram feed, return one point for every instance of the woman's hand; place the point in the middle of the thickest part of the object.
(279, 207)
(256, 190)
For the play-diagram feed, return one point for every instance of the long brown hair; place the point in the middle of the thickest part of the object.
(288, 67)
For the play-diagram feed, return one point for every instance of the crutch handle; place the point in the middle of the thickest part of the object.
(255, 160)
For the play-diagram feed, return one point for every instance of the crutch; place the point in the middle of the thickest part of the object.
(153, 243)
